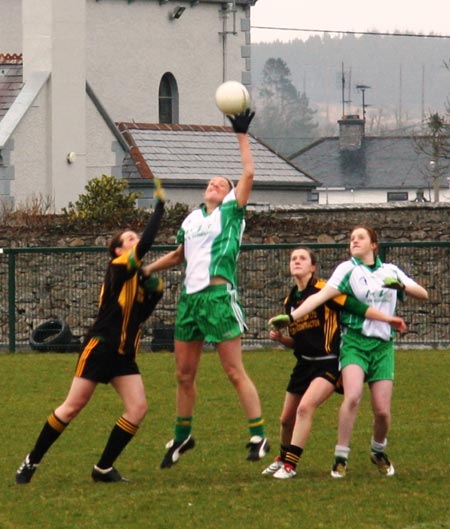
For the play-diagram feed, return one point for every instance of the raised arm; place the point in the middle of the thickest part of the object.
(149, 234)
(241, 123)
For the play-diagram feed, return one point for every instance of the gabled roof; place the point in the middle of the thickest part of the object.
(381, 163)
(11, 81)
(16, 96)
(193, 154)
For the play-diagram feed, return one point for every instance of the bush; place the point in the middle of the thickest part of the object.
(106, 201)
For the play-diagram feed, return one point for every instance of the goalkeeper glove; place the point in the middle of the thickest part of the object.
(153, 284)
(241, 122)
(394, 283)
(159, 192)
(280, 321)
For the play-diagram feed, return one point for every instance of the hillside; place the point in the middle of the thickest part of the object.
(406, 75)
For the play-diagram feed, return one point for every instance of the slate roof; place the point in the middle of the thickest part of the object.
(381, 163)
(11, 81)
(188, 154)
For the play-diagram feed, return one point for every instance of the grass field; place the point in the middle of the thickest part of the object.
(213, 486)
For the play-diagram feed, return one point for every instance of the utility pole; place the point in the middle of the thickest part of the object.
(363, 88)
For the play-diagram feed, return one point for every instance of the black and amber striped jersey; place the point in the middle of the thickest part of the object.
(125, 303)
(126, 298)
(317, 334)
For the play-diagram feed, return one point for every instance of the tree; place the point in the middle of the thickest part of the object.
(436, 146)
(284, 119)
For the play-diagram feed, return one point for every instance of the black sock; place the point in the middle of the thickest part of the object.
(120, 436)
(52, 429)
(293, 455)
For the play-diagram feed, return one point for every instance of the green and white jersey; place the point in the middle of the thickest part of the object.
(366, 283)
(211, 243)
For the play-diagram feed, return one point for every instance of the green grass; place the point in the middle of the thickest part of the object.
(213, 487)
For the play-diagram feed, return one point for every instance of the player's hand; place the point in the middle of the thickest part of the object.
(394, 283)
(241, 122)
(398, 324)
(153, 284)
(279, 322)
(159, 192)
(275, 336)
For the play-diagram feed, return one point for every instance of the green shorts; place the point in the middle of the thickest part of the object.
(375, 357)
(213, 315)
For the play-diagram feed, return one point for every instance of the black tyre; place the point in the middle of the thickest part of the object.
(51, 336)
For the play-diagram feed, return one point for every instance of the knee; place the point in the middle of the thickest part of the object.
(234, 376)
(141, 411)
(69, 410)
(304, 410)
(185, 377)
(382, 415)
(137, 412)
(352, 401)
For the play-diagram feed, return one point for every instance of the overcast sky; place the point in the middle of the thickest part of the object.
(431, 16)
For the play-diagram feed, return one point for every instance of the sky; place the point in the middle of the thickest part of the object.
(406, 16)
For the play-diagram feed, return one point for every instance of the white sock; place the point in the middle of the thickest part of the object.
(341, 451)
(375, 446)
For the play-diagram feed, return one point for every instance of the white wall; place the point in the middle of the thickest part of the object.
(362, 196)
(10, 26)
(30, 158)
(131, 46)
(102, 156)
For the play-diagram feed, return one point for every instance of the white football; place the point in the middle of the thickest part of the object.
(232, 97)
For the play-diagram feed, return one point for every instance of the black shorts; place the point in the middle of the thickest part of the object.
(305, 371)
(99, 364)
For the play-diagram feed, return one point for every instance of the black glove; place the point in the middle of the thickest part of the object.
(241, 122)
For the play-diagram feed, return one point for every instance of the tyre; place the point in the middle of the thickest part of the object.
(51, 336)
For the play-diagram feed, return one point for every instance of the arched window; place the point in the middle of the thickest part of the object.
(168, 99)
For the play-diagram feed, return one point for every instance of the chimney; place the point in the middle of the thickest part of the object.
(351, 132)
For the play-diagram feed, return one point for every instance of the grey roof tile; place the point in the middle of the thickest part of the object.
(177, 152)
(382, 163)
(11, 81)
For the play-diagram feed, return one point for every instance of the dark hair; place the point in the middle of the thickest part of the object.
(230, 183)
(373, 236)
(115, 242)
(311, 254)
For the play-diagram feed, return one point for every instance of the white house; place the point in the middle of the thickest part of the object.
(72, 70)
(357, 169)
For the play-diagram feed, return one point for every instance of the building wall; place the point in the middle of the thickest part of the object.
(374, 196)
(30, 157)
(104, 155)
(131, 46)
(11, 26)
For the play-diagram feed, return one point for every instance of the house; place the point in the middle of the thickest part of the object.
(186, 157)
(355, 168)
(76, 76)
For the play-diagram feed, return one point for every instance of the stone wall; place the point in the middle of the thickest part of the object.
(264, 274)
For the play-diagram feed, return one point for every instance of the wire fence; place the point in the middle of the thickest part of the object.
(52, 292)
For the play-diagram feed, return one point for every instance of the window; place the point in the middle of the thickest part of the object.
(168, 99)
(397, 196)
(313, 196)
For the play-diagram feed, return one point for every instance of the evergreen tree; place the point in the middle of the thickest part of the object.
(284, 119)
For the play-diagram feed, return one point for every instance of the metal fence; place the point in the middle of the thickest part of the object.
(43, 285)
